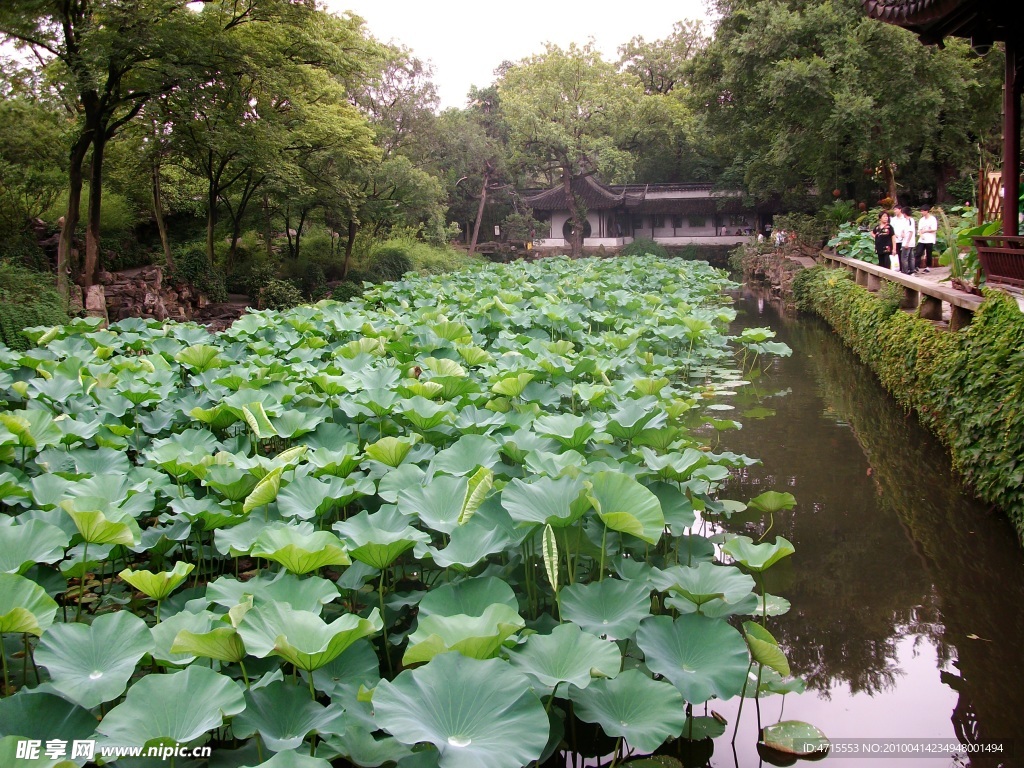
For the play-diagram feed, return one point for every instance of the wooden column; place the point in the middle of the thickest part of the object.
(1011, 140)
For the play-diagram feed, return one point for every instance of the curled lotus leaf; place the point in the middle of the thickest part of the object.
(625, 505)
(299, 548)
(567, 655)
(24, 606)
(479, 637)
(157, 585)
(757, 557)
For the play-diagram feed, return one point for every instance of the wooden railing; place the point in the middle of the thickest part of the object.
(1002, 259)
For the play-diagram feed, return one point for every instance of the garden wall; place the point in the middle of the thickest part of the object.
(966, 386)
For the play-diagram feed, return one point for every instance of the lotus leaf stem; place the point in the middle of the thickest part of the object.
(81, 581)
(3, 657)
(743, 697)
(604, 539)
(245, 675)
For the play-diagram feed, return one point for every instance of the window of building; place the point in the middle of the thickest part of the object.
(659, 221)
(739, 220)
(677, 222)
(697, 221)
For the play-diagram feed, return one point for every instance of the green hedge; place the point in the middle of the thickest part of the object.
(27, 299)
(967, 386)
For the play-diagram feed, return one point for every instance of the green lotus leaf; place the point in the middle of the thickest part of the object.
(702, 657)
(92, 664)
(221, 643)
(425, 414)
(292, 760)
(282, 714)
(772, 501)
(446, 502)
(232, 483)
(33, 428)
(256, 417)
(299, 548)
(698, 728)
(625, 505)
(677, 508)
(644, 712)
(43, 716)
(471, 543)
(776, 606)
(704, 583)
(24, 606)
(96, 528)
(571, 431)
(466, 454)
(219, 417)
(301, 637)
(308, 594)
(22, 546)
(178, 707)
(794, 737)
(295, 422)
(200, 357)
(157, 585)
(165, 633)
(308, 496)
(469, 597)
(512, 386)
(764, 648)
(633, 416)
(337, 462)
(264, 492)
(378, 539)
(557, 502)
(610, 608)
(456, 704)
(479, 637)
(342, 677)
(757, 557)
(391, 451)
(567, 655)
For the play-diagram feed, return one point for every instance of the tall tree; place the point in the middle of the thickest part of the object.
(568, 112)
(806, 94)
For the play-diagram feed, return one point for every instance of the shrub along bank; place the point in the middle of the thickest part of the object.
(967, 386)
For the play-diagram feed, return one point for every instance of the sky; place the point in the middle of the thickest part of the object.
(466, 40)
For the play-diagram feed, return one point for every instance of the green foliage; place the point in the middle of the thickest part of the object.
(965, 385)
(852, 242)
(837, 214)
(192, 267)
(643, 246)
(964, 189)
(27, 299)
(345, 291)
(389, 262)
(279, 294)
(811, 232)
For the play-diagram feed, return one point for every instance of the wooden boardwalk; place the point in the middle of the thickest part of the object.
(933, 298)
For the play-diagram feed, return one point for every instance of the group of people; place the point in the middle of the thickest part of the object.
(903, 243)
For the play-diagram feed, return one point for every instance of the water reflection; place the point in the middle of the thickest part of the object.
(907, 594)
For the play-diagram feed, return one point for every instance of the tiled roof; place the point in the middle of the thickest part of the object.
(594, 195)
(983, 20)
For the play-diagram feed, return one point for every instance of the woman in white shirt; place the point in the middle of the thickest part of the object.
(909, 243)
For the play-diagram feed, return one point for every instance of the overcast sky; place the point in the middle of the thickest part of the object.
(466, 40)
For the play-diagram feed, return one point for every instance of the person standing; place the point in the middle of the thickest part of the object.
(899, 223)
(883, 233)
(927, 227)
(909, 243)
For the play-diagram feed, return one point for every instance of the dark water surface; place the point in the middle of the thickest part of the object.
(908, 595)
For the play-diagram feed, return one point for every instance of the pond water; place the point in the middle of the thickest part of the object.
(907, 594)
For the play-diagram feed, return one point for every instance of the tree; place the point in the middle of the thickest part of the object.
(567, 113)
(804, 94)
(665, 65)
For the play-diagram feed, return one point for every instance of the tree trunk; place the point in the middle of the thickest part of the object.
(577, 215)
(890, 182)
(91, 267)
(479, 213)
(66, 244)
(158, 212)
(268, 234)
(298, 232)
(353, 229)
(211, 219)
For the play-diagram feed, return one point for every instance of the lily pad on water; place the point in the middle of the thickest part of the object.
(476, 713)
(611, 608)
(92, 664)
(644, 712)
(178, 707)
(702, 657)
(795, 738)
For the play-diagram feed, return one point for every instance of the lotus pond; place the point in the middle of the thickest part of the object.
(472, 520)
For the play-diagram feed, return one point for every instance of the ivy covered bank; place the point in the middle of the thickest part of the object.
(966, 386)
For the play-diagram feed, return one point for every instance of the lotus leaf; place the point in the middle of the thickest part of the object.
(301, 637)
(22, 546)
(43, 716)
(391, 451)
(24, 606)
(644, 712)
(93, 664)
(299, 548)
(466, 454)
(764, 648)
(567, 655)
(470, 597)
(794, 737)
(704, 583)
(292, 760)
(551, 501)
(757, 557)
(702, 657)
(625, 505)
(283, 715)
(309, 594)
(479, 637)
(165, 633)
(610, 608)
(178, 707)
(456, 703)
(157, 585)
